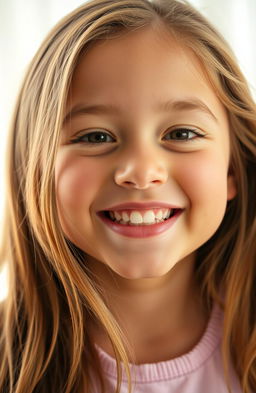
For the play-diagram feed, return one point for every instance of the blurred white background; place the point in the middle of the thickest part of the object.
(24, 24)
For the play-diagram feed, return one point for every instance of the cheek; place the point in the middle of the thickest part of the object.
(76, 182)
(204, 180)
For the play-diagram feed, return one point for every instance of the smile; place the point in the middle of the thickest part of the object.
(140, 217)
(140, 223)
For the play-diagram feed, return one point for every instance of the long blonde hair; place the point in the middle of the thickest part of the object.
(45, 345)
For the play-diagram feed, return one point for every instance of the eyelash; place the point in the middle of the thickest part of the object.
(188, 131)
(79, 139)
(177, 130)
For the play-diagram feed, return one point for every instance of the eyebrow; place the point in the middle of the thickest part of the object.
(187, 104)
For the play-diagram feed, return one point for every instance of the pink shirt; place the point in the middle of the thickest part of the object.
(198, 371)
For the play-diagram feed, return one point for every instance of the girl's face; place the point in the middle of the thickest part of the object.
(143, 125)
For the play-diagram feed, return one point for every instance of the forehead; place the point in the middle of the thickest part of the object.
(140, 68)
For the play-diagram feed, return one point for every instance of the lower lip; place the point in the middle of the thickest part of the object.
(140, 231)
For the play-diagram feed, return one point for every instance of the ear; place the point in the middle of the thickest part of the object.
(231, 184)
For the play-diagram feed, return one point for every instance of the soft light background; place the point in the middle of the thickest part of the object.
(24, 24)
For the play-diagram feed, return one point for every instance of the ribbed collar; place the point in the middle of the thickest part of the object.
(173, 368)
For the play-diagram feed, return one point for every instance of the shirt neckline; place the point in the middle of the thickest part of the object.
(184, 364)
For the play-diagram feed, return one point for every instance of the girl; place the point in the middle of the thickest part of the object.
(130, 219)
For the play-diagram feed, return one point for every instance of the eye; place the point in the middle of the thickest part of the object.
(95, 137)
(183, 134)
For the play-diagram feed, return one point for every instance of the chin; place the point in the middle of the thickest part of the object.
(140, 273)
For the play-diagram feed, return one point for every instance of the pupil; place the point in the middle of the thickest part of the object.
(181, 134)
(98, 137)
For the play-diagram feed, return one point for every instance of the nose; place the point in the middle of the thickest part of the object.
(141, 170)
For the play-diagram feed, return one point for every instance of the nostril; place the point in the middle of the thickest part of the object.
(140, 185)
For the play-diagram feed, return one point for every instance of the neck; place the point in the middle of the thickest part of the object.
(162, 317)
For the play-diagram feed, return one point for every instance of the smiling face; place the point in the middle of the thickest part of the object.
(162, 135)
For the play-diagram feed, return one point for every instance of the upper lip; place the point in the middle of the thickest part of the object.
(142, 205)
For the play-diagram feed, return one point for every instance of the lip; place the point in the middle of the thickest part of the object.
(142, 205)
(139, 231)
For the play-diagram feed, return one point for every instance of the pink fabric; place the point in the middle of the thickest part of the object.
(198, 371)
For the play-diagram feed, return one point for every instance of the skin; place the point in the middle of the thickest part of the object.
(143, 278)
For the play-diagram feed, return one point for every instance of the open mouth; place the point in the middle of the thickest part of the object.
(136, 218)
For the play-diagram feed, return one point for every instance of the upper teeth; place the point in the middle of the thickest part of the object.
(141, 217)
